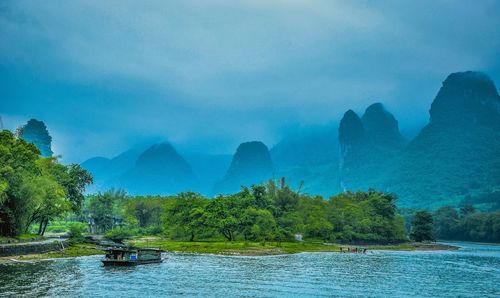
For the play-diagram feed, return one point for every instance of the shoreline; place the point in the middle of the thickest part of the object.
(78, 250)
(240, 248)
(227, 249)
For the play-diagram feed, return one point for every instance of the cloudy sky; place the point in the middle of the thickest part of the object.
(207, 75)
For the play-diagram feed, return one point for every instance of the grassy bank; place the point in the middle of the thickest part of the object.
(21, 238)
(235, 247)
(269, 248)
(414, 246)
(78, 250)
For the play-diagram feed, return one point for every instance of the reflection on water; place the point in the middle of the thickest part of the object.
(472, 271)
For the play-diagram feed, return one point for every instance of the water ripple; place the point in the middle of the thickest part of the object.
(470, 272)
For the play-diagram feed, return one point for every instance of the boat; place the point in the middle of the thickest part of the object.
(129, 256)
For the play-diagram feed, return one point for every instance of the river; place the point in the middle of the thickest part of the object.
(472, 271)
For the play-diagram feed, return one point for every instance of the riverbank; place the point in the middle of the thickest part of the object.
(78, 250)
(234, 248)
(414, 246)
(241, 248)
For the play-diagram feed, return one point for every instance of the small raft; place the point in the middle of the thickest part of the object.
(132, 256)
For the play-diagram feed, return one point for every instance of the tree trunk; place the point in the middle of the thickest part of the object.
(227, 235)
(45, 226)
(41, 226)
(192, 237)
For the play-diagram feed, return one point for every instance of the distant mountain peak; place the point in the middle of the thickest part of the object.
(250, 164)
(159, 170)
(351, 130)
(466, 98)
(380, 124)
(36, 132)
(162, 155)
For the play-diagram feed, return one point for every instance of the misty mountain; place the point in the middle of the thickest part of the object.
(36, 132)
(251, 164)
(209, 168)
(453, 159)
(309, 157)
(456, 156)
(315, 145)
(159, 170)
(368, 146)
(106, 172)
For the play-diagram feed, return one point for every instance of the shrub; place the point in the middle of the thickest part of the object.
(120, 234)
(76, 231)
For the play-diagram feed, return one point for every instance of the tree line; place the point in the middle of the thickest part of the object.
(467, 224)
(448, 223)
(268, 212)
(271, 212)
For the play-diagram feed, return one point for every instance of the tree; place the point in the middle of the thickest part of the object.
(258, 225)
(315, 218)
(17, 167)
(422, 229)
(185, 215)
(145, 211)
(75, 182)
(446, 223)
(47, 201)
(222, 215)
(64, 187)
(467, 209)
(103, 209)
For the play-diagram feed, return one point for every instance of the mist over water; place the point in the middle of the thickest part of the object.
(472, 271)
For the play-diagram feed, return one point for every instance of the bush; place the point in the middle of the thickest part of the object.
(152, 230)
(76, 231)
(120, 234)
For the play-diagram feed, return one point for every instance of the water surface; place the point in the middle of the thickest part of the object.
(473, 271)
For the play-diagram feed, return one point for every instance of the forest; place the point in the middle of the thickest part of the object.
(271, 212)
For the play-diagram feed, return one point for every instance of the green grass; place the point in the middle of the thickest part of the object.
(30, 237)
(60, 226)
(77, 250)
(235, 247)
(413, 246)
(21, 238)
(267, 248)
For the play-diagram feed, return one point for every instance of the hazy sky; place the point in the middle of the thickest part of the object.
(207, 75)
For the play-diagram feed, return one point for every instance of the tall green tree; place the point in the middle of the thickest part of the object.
(422, 228)
(103, 209)
(222, 215)
(185, 215)
(17, 167)
(446, 223)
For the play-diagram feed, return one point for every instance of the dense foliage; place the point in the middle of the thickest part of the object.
(467, 224)
(34, 189)
(421, 227)
(261, 213)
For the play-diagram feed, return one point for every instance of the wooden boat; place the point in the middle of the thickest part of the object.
(131, 256)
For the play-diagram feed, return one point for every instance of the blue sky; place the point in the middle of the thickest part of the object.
(207, 75)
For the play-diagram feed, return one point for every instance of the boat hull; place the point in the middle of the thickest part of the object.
(122, 263)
